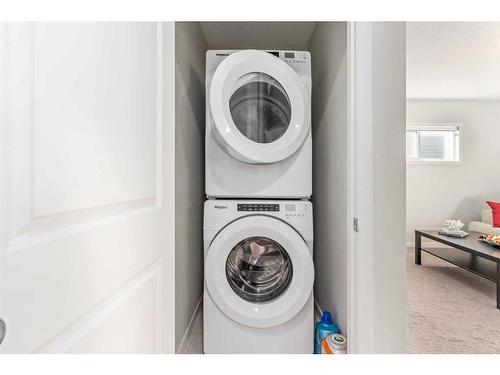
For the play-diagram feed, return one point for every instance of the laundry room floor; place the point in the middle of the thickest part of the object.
(194, 344)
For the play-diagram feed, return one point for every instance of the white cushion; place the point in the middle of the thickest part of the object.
(487, 216)
(478, 226)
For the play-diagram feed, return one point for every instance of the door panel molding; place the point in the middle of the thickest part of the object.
(42, 229)
(25, 227)
(70, 336)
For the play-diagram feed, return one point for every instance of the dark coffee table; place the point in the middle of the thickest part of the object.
(468, 253)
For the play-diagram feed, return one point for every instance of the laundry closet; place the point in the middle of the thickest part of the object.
(103, 181)
(327, 44)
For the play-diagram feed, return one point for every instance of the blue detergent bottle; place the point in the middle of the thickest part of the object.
(324, 327)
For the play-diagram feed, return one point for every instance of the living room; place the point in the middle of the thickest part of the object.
(453, 112)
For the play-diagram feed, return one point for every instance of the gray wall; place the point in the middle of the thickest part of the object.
(439, 192)
(190, 49)
(389, 162)
(257, 35)
(328, 46)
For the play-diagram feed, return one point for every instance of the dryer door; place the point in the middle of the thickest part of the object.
(259, 106)
(259, 271)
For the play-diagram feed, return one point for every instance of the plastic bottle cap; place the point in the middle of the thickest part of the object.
(336, 342)
(327, 317)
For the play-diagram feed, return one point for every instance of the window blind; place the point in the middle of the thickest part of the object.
(432, 145)
(433, 142)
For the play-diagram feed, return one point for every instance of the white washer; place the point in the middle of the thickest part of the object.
(258, 124)
(259, 275)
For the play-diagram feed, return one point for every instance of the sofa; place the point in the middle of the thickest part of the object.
(485, 225)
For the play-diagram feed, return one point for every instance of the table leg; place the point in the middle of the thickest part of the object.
(418, 248)
(473, 261)
(498, 284)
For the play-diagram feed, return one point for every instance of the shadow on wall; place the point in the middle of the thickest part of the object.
(197, 84)
(329, 121)
(469, 209)
(190, 47)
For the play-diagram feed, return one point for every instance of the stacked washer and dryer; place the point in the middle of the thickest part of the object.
(258, 223)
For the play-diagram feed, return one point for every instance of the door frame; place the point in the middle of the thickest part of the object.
(369, 46)
(168, 264)
(359, 190)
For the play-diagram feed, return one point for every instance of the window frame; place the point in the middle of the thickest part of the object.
(435, 127)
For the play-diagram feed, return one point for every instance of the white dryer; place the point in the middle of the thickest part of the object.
(258, 124)
(259, 274)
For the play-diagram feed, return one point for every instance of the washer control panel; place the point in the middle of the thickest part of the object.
(295, 210)
(219, 212)
(258, 207)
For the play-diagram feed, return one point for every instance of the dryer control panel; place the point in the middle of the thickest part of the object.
(300, 61)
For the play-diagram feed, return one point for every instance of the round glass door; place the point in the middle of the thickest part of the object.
(259, 270)
(260, 107)
(249, 273)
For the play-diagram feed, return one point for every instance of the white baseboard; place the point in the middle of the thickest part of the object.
(185, 338)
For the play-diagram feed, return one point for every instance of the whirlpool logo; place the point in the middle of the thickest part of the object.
(219, 207)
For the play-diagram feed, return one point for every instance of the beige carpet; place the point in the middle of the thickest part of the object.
(450, 310)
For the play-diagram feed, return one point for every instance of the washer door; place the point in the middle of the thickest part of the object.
(260, 107)
(259, 271)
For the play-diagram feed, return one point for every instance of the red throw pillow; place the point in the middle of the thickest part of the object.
(495, 208)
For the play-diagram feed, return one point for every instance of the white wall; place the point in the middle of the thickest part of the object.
(377, 283)
(257, 35)
(388, 127)
(439, 192)
(189, 171)
(328, 45)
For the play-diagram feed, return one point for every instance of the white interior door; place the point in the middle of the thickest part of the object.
(85, 187)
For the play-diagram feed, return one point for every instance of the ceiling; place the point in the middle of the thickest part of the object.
(259, 35)
(453, 60)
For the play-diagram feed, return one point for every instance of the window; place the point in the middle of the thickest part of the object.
(433, 143)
